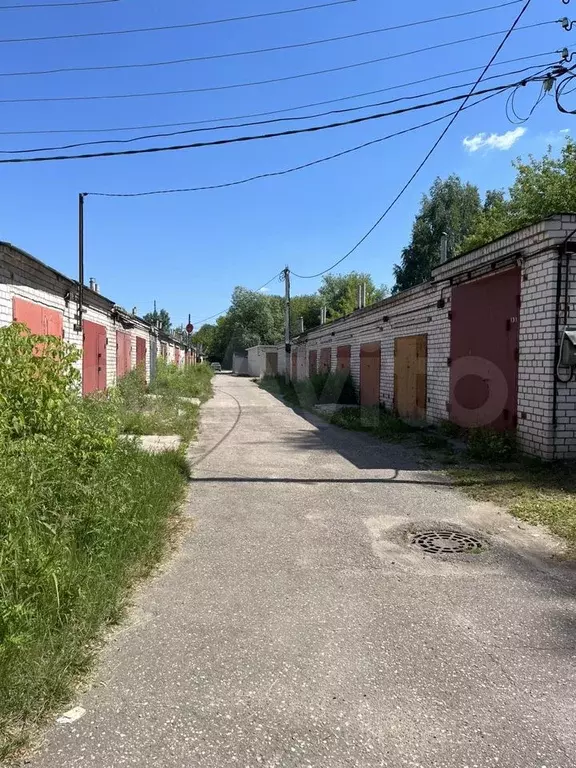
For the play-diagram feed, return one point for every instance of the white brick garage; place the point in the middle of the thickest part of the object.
(544, 407)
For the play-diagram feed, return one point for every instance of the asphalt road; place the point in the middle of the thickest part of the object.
(298, 626)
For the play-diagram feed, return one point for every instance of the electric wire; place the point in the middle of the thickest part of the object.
(76, 35)
(286, 171)
(258, 122)
(23, 7)
(428, 154)
(283, 110)
(234, 54)
(255, 137)
(217, 314)
(229, 86)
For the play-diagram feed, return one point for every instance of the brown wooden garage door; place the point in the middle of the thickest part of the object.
(312, 362)
(410, 376)
(370, 374)
(484, 351)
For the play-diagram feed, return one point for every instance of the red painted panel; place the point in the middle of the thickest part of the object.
(343, 355)
(177, 355)
(140, 351)
(312, 363)
(484, 351)
(52, 322)
(28, 313)
(123, 353)
(325, 360)
(370, 374)
(94, 358)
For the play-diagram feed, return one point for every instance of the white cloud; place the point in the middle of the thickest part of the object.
(501, 141)
(564, 130)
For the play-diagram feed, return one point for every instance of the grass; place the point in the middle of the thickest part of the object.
(487, 466)
(162, 408)
(72, 544)
(84, 515)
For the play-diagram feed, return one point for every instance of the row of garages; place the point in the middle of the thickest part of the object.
(112, 340)
(479, 344)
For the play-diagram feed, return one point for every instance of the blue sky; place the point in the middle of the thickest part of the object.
(188, 251)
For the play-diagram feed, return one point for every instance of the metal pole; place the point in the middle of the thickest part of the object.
(287, 324)
(80, 260)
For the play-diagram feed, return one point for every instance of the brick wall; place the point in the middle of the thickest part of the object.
(424, 310)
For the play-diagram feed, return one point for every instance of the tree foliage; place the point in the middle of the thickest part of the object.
(541, 187)
(451, 206)
(161, 317)
(339, 293)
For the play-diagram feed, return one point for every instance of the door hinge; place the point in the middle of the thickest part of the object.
(449, 361)
(450, 314)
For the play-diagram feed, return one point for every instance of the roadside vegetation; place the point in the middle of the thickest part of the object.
(320, 389)
(164, 407)
(83, 515)
(483, 463)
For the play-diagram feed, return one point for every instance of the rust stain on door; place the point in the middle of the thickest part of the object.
(410, 357)
(370, 355)
(484, 351)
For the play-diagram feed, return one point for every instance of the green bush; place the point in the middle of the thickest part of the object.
(336, 387)
(488, 445)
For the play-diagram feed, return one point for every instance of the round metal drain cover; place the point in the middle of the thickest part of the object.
(447, 542)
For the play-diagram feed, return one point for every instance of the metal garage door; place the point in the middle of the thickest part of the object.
(484, 351)
(123, 353)
(271, 363)
(40, 320)
(312, 363)
(410, 376)
(343, 358)
(325, 360)
(94, 358)
(141, 351)
(370, 374)
(294, 365)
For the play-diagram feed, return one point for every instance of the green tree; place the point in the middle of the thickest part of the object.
(205, 336)
(306, 306)
(161, 317)
(541, 187)
(451, 206)
(339, 293)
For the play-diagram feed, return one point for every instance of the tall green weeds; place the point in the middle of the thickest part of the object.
(82, 514)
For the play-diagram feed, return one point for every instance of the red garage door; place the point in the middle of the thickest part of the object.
(294, 365)
(325, 360)
(94, 358)
(343, 358)
(123, 353)
(312, 362)
(370, 374)
(484, 351)
(177, 356)
(141, 351)
(40, 320)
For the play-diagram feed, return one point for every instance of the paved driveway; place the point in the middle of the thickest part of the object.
(297, 626)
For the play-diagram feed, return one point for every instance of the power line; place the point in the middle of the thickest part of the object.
(265, 82)
(217, 314)
(233, 54)
(286, 171)
(257, 137)
(429, 153)
(76, 35)
(278, 111)
(54, 5)
(259, 122)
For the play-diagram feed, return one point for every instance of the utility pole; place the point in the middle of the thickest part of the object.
(287, 348)
(80, 260)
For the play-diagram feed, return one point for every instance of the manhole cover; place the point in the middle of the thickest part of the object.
(447, 542)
